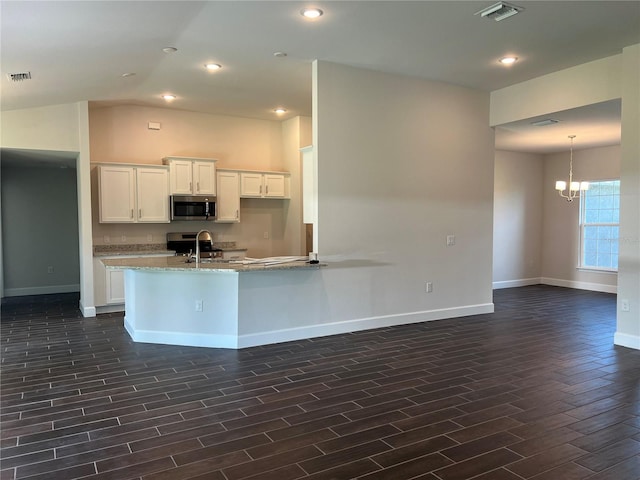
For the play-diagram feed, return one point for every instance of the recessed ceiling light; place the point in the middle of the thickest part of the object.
(311, 12)
(168, 97)
(508, 60)
(128, 74)
(280, 110)
(279, 54)
(169, 49)
(213, 66)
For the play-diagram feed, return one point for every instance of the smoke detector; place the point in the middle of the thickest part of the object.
(18, 77)
(499, 11)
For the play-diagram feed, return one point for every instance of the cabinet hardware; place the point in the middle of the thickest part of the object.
(237, 214)
(140, 213)
(267, 190)
(132, 213)
(198, 187)
(260, 189)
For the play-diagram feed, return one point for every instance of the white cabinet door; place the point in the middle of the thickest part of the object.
(251, 184)
(115, 286)
(228, 198)
(153, 195)
(181, 173)
(274, 185)
(191, 176)
(116, 187)
(204, 178)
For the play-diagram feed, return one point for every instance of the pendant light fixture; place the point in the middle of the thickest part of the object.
(574, 187)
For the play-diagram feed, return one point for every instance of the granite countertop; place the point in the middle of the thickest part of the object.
(132, 249)
(178, 264)
(152, 249)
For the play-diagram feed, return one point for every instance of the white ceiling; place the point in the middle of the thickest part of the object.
(78, 50)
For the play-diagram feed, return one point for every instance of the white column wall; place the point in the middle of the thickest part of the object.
(402, 164)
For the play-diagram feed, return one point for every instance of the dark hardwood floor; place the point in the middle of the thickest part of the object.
(536, 390)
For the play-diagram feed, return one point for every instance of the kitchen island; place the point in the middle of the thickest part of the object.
(214, 304)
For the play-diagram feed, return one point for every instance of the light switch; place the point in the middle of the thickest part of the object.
(451, 240)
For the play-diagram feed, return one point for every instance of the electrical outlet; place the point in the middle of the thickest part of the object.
(198, 305)
(428, 288)
(451, 240)
(624, 305)
(49, 269)
(266, 234)
(107, 239)
(123, 238)
(149, 238)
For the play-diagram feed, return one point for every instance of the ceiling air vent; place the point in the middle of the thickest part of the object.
(18, 77)
(499, 11)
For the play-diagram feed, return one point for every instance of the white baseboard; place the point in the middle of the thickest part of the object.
(323, 330)
(181, 338)
(87, 311)
(626, 340)
(522, 282)
(299, 333)
(46, 290)
(595, 287)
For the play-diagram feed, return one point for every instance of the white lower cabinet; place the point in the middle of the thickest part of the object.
(108, 285)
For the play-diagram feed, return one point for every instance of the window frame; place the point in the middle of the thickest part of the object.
(581, 228)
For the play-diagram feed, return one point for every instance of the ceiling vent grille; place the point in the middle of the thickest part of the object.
(19, 77)
(499, 11)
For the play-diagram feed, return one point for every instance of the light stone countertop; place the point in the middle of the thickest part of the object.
(152, 249)
(178, 264)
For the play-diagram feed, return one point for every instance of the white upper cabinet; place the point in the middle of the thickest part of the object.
(264, 185)
(152, 194)
(116, 194)
(228, 197)
(191, 176)
(133, 194)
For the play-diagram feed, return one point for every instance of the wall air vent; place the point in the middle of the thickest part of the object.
(499, 11)
(18, 77)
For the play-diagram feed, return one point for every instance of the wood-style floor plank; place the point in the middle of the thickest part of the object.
(536, 390)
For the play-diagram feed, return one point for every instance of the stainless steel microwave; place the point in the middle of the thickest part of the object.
(193, 207)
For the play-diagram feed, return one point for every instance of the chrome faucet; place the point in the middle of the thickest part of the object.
(198, 245)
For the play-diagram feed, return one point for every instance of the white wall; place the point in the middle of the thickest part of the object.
(402, 163)
(560, 238)
(628, 330)
(606, 79)
(121, 135)
(517, 214)
(60, 128)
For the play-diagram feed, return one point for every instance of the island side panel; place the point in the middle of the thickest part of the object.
(279, 306)
(161, 307)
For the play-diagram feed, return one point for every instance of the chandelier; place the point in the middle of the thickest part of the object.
(574, 187)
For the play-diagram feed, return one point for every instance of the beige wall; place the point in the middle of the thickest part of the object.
(402, 163)
(517, 214)
(120, 134)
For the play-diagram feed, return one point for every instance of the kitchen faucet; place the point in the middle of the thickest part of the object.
(198, 244)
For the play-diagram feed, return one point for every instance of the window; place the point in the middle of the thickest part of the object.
(599, 225)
